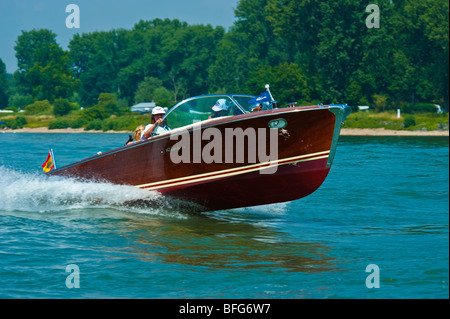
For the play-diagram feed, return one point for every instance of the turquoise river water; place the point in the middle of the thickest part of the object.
(377, 228)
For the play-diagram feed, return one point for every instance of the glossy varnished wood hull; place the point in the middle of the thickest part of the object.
(306, 148)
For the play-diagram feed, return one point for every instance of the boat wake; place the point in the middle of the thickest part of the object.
(28, 192)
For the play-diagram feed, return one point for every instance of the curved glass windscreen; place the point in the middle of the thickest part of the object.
(202, 108)
(243, 100)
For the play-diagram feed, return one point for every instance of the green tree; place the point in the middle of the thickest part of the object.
(379, 102)
(4, 86)
(61, 107)
(287, 82)
(43, 66)
(250, 45)
(106, 106)
(225, 73)
(146, 88)
(143, 55)
(58, 124)
(305, 49)
(20, 101)
(39, 108)
(257, 40)
(152, 89)
(163, 97)
(375, 69)
(435, 25)
(15, 123)
(20, 121)
(187, 55)
(326, 38)
(95, 59)
(407, 58)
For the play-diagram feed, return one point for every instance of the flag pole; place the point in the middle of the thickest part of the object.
(274, 103)
(267, 88)
(53, 158)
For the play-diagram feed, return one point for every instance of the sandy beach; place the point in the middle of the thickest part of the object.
(344, 132)
(66, 130)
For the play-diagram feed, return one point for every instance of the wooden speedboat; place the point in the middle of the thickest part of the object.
(197, 160)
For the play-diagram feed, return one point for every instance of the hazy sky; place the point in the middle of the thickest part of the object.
(100, 15)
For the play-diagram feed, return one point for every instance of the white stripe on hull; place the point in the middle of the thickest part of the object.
(232, 172)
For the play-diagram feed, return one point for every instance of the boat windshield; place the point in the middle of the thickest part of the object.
(202, 108)
(243, 100)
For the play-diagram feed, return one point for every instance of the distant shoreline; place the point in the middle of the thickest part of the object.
(64, 130)
(344, 132)
(383, 132)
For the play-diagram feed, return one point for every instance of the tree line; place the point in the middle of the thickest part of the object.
(309, 51)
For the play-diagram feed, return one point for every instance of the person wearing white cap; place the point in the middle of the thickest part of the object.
(157, 115)
(220, 109)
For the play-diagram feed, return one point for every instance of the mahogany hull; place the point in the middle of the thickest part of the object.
(291, 182)
(306, 147)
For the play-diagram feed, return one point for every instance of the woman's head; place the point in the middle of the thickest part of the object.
(137, 132)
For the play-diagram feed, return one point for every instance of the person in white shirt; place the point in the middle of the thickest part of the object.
(157, 115)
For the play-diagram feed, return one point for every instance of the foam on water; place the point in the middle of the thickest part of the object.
(270, 209)
(28, 192)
